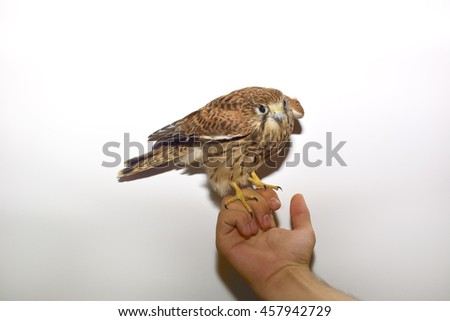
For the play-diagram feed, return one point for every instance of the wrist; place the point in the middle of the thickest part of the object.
(297, 282)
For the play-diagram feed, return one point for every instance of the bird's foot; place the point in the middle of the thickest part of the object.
(240, 196)
(259, 184)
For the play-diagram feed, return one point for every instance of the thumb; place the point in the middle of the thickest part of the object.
(300, 216)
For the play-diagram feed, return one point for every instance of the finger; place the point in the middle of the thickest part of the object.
(262, 209)
(300, 216)
(272, 198)
(235, 220)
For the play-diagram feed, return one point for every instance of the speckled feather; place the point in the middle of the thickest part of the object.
(234, 122)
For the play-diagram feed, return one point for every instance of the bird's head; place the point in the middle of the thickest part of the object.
(273, 107)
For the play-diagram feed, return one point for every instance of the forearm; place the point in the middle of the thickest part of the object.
(299, 284)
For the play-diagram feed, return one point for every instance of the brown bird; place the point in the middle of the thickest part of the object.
(230, 137)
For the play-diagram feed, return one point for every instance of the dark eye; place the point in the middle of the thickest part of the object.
(284, 103)
(262, 109)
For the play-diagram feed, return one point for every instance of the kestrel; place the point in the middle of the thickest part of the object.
(230, 137)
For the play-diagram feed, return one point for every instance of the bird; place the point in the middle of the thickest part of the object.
(230, 138)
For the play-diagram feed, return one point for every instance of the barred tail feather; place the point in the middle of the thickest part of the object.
(156, 158)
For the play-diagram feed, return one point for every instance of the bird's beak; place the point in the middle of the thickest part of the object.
(279, 116)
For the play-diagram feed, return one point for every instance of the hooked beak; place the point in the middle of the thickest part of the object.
(278, 116)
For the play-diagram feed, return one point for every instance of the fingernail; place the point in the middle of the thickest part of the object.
(274, 203)
(267, 220)
(253, 227)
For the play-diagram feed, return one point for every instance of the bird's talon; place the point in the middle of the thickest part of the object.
(240, 196)
(254, 179)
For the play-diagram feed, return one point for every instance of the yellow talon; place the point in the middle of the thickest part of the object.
(240, 196)
(259, 184)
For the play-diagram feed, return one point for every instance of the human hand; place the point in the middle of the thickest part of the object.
(259, 250)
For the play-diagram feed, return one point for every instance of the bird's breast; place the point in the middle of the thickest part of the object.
(277, 132)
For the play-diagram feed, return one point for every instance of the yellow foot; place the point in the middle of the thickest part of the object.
(258, 184)
(240, 196)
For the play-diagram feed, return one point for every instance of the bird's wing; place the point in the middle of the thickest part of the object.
(217, 123)
(204, 124)
(164, 132)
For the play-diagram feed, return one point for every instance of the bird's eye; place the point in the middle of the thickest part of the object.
(284, 103)
(262, 109)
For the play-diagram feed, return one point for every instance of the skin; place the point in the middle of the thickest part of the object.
(275, 261)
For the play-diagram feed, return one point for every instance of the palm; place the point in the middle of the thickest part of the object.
(273, 250)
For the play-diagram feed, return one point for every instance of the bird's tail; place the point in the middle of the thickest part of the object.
(154, 159)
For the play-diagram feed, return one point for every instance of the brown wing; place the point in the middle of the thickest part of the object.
(225, 118)
(204, 124)
(217, 123)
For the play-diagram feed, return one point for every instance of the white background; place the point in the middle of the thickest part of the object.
(77, 74)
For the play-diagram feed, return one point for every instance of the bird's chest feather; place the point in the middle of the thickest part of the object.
(239, 158)
(276, 135)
